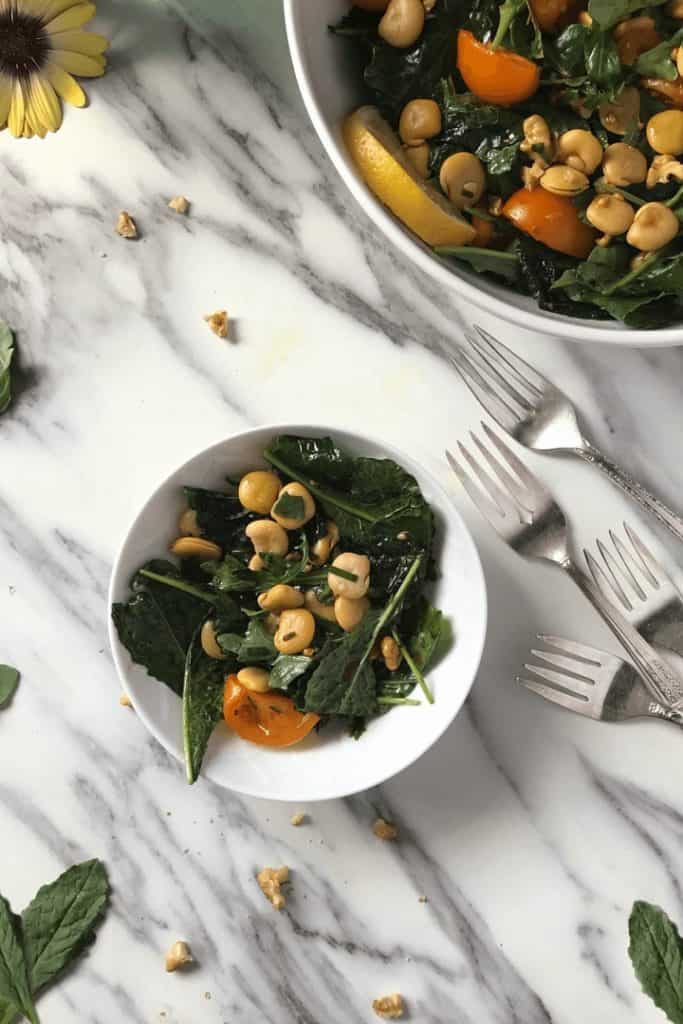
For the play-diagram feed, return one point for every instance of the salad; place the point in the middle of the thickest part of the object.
(298, 598)
(536, 141)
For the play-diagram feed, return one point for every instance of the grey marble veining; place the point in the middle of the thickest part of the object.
(529, 832)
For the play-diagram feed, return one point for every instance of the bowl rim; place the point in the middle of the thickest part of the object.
(556, 325)
(466, 538)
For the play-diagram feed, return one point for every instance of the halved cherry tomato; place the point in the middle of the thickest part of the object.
(269, 719)
(496, 76)
(550, 219)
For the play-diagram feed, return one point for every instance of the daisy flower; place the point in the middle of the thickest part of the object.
(42, 46)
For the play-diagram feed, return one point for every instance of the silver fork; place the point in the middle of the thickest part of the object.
(540, 416)
(632, 576)
(528, 518)
(591, 683)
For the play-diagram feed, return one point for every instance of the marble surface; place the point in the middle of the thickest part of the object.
(529, 831)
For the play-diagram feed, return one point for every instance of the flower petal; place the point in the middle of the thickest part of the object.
(73, 17)
(81, 42)
(78, 63)
(51, 8)
(15, 120)
(46, 110)
(5, 99)
(65, 86)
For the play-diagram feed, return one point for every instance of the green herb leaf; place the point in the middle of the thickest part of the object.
(9, 680)
(608, 12)
(14, 983)
(656, 952)
(290, 506)
(658, 62)
(203, 690)
(256, 646)
(6, 353)
(287, 668)
(61, 918)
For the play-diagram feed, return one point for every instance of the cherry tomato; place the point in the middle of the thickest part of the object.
(269, 719)
(550, 219)
(495, 76)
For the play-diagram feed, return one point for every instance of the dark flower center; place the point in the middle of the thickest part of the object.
(24, 44)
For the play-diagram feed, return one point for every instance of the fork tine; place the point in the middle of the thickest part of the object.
(651, 564)
(568, 664)
(512, 486)
(580, 652)
(604, 583)
(633, 565)
(579, 687)
(523, 371)
(619, 575)
(536, 490)
(565, 700)
(504, 500)
(478, 497)
(486, 362)
(497, 408)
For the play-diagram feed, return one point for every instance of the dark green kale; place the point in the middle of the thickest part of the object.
(204, 683)
(220, 516)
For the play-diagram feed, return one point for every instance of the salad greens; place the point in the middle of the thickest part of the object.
(656, 952)
(584, 69)
(9, 680)
(6, 354)
(210, 629)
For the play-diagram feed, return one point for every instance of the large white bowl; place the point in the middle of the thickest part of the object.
(327, 73)
(330, 764)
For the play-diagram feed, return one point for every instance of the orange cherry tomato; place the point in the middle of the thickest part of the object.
(269, 719)
(550, 219)
(371, 5)
(496, 76)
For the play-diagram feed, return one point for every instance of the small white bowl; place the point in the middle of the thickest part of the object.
(329, 78)
(330, 764)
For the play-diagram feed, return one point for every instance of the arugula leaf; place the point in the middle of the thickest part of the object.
(61, 918)
(486, 261)
(255, 646)
(158, 622)
(9, 680)
(602, 58)
(204, 684)
(518, 30)
(14, 983)
(608, 12)
(6, 353)
(287, 668)
(427, 633)
(290, 506)
(566, 53)
(656, 952)
(658, 62)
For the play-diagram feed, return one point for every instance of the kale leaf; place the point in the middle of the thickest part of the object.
(6, 354)
(658, 62)
(157, 623)
(9, 680)
(608, 12)
(204, 684)
(220, 516)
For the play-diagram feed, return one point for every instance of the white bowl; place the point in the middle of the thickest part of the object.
(328, 78)
(330, 764)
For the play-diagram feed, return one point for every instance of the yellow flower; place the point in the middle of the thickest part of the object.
(42, 45)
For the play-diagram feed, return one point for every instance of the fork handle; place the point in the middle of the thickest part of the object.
(666, 516)
(656, 674)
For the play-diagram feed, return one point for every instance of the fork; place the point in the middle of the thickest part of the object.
(540, 416)
(591, 683)
(528, 518)
(632, 576)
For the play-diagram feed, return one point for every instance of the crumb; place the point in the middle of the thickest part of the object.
(308, 652)
(422, 899)
(126, 226)
(207, 995)
(125, 701)
(389, 1006)
(297, 819)
(180, 204)
(384, 830)
(218, 322)
(270, 880)
(178, 956)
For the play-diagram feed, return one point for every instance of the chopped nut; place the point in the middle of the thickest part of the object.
(308, 651)
(270, 880)
(389, 1006)
(180, 204)
(125, 701)
(178, 956)
(218, 322)
(384, 830)
(126, 226)
(531, 175)
(297, 819)
(391, 653)
(422, 899)
(662, 169)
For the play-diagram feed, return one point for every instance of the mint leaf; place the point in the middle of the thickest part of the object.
(14, 985)
(9, 680)
(656, 952)
(6, 353)
(61, 918)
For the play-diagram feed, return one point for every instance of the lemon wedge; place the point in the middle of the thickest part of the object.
(377, 153)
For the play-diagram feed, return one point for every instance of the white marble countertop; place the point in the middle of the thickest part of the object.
(529, 831)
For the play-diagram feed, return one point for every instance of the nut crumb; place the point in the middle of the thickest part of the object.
(178, 956)
(422, 899)
(125, 701)
(270, 881)
(180, 204)
(384, 829)
(297, 819)
(389, 1006)
(218, 322)
(126, 226)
